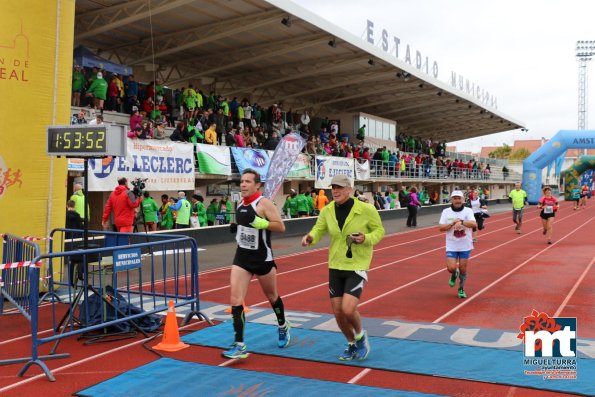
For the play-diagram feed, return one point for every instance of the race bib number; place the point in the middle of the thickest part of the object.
(247, 237)
(548, 209)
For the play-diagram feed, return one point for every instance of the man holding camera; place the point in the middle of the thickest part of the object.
(354, 228)
(122, 201)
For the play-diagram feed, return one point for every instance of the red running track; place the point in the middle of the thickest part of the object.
(509, 275)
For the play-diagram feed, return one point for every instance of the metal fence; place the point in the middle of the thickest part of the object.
(111, 285)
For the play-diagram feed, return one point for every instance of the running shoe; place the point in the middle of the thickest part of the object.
(549, 241)
(236, 351)
(349, 353)
(518, 230)
(462, 293)
(453, 278)
(363, 347)
(284, 336)
(474, 240)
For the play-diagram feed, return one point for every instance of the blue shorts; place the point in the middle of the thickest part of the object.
(458, 254)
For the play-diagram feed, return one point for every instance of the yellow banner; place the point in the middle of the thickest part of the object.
(36, 42)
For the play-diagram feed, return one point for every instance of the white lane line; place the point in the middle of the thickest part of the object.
(574, 288)
(357, 377)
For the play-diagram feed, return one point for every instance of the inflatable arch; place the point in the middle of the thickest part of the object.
(534, 164)
(572, 175)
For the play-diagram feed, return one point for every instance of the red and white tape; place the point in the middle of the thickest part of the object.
(13, 265)
(30, 238)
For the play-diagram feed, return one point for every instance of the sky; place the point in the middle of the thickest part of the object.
(522, 52)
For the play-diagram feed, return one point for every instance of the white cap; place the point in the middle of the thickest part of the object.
(99, 75)
(457, 193)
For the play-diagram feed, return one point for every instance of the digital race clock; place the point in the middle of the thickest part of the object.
(86, 141)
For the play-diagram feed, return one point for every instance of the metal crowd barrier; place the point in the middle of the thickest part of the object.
(113, 282)
(14, 276)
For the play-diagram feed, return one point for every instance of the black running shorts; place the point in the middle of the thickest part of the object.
(345, 282)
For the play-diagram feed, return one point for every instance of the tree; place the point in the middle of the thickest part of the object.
(519, 154)
(503, 152)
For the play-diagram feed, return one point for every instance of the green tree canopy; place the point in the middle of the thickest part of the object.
(501, 153)
(519, 154)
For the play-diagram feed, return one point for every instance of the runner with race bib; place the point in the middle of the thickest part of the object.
(549, 206)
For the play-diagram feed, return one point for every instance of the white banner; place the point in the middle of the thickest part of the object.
(213, 159)
(166, 166)
(328, 167)
(362, 170)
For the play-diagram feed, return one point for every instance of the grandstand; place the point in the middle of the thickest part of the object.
(283, 54)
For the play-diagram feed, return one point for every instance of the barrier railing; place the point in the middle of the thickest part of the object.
(14, 275)
(112, 284)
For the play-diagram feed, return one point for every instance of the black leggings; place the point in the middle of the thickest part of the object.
(412, 218)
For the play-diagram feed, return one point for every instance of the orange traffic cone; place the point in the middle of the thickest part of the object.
(171, 336)
(246, 309)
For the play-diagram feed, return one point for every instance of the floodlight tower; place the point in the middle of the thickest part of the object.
(584, 51)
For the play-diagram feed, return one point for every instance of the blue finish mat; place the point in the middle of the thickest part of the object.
(425, 358)
(168, 377)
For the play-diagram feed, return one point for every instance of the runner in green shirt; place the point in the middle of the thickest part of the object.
(78, 84)
(518, 198)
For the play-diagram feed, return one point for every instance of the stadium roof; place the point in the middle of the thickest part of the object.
(275, 51)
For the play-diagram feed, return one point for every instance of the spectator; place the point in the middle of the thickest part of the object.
(150, 209)
(112, 93)
(78, 84)
(73, 219)
(98, 120)
(183, 210)
(361, 133)
(98, 91)
(412, 207)
(131, 88)
(159, 132)
(212, 210)
(168, 220)
(179, 133)
(78, 118)
(226, 207)
(135, 119)
(164, 206)
(211, 135)
(78, 197)
(199, 211)
(273, 141)
(505, 172)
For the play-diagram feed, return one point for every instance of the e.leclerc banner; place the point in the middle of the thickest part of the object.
(167, 166)
(286, 152)
(257, 159)
(328, 167)
(213, 159)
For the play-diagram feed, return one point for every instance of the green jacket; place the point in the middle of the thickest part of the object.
(200, 210)
(228, 210)
(291, 205)
(98, 88)
(167, 220)
(310, 204)
(212, 211)
(79, 204)
(362, 218)
(302, 203)
(150, 209)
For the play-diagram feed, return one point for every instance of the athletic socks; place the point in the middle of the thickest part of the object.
(462, 279)
(279, 311)
(360, 335)
(237, 313)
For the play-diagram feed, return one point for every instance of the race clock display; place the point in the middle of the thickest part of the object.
(84, 141)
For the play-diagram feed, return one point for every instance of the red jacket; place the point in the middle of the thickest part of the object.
(123, 203)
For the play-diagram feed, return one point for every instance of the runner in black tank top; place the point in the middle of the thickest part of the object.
(256, 218)
(254, 252)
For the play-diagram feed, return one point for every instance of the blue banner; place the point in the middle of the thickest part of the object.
(257, 159)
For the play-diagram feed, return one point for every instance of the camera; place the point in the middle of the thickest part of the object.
(139, 186)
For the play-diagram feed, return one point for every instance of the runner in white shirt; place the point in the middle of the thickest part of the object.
(479, 207)
(458, 222)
